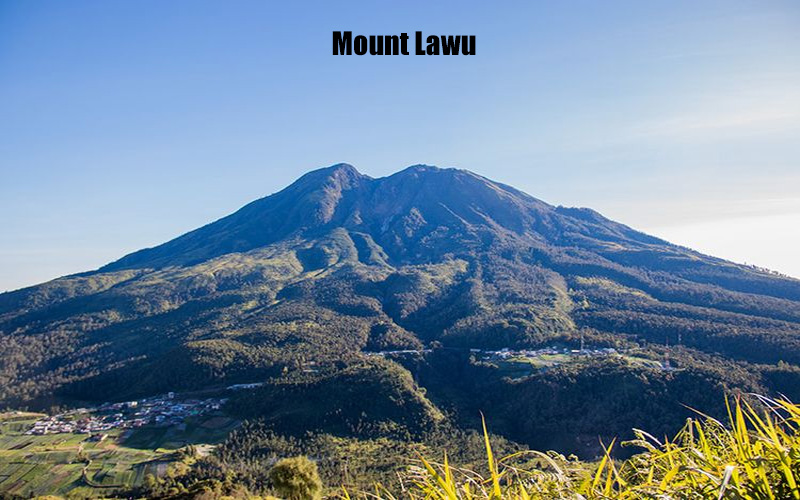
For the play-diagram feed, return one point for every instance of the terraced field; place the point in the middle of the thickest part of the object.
(54, 464)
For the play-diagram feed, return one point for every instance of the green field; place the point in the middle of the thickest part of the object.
(522, 366)
(52, 464)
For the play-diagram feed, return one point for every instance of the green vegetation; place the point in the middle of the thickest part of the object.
(296, 478)
(756, 456)
(74, 465)
(752, 455)
(355, 462)
(334, 403)
(520, 366)
(68, 463)
(568, 406)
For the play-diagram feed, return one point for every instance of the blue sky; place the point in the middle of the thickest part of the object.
(125, 124)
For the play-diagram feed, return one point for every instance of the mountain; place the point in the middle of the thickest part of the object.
(295, 288)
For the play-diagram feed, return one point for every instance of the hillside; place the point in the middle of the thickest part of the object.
(294, 288)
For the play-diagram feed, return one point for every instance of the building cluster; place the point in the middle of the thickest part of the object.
(162, 410)
(384, 354)
(507, 353)
(240, 387)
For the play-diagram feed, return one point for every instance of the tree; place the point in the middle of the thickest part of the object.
(296, 478)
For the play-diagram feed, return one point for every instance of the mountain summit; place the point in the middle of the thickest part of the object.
(415, 215)
(339, 264)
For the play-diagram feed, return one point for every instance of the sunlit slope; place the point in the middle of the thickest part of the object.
(338, 263)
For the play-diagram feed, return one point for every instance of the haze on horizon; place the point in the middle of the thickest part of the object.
(125, 125)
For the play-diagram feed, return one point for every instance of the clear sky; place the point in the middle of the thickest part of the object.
(126, 123)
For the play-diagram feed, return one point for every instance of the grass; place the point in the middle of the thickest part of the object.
(755, 454)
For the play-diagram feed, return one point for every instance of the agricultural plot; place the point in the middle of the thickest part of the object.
(204, 430)
(53, 464)
(519, 366)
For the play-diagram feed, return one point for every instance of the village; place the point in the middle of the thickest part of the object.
(164, 410)
(523, 362)
(506, 353)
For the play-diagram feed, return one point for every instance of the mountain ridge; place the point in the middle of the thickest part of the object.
(323, 194)
(338, 265)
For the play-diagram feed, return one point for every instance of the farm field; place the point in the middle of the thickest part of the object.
(519, 366)
(53, 464)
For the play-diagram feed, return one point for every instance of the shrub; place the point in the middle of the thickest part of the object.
(296, 478)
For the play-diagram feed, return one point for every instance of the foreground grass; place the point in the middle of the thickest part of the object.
(754, 455)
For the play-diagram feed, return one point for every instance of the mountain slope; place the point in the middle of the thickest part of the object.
(339, 263)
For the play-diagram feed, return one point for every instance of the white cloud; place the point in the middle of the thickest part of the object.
(753, 107)
(771, 241)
